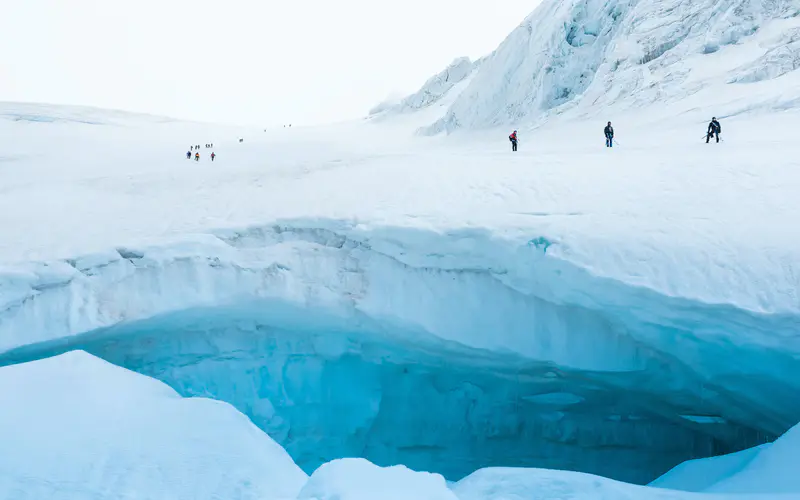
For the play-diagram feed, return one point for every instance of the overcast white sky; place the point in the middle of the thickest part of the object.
(262, 62)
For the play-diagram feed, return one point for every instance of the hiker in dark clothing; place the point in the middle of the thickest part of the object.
(213, 156)
(714, 129)
(514, 140)
(609, 133)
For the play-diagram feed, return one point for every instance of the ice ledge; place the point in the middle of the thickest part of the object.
(262, 261)
(515, 294)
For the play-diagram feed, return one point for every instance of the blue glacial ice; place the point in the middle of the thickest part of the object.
(443, 352)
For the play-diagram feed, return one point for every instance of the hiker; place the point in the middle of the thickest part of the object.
(714, 128)
(212, 156)
(189, 155)
(514, 140)
(609, 133)
(197, 157)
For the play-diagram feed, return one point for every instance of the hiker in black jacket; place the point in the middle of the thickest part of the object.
(714, 128)
(609, 133)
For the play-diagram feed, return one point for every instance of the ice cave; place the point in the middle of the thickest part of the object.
(447, 369)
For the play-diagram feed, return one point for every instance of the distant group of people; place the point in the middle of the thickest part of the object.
(197, 152)
(714, 129)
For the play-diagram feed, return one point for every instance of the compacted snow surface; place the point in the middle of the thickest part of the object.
(406, 315)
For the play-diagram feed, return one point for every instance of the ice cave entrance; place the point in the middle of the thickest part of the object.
(327, 387)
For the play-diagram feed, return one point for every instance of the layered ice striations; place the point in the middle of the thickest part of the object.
(444, 352)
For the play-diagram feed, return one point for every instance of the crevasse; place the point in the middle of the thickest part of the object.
(446, 352)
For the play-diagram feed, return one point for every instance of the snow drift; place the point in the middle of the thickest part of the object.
(76, 427)
(769, 468)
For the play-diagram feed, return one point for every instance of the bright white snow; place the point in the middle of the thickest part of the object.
(75, 427)
(437, 301)
(358, 479)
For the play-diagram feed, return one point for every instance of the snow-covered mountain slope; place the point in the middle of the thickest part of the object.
(453, 306)
(597, 57)
(437, 88)
(74, 427)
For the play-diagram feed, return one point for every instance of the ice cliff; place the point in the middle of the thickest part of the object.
(444, 352)
(588, 55)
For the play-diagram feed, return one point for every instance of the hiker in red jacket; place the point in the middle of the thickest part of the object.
(513, 139)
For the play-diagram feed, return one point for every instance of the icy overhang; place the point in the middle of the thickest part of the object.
(585, 352)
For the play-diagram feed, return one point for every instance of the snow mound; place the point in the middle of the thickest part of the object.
(76, 427)
(540, 484)
(765, 469)
(589, 55)
(358, 479)
(703, 473)
(772, 469)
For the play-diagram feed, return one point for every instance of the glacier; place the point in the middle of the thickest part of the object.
(378, 306)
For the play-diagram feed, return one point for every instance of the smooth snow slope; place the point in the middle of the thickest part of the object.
(770, 468)
(74, 427)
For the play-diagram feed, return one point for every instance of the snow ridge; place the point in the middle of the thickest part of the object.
(592, 54)
(434, 90)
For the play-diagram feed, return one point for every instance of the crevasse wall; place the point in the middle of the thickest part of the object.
(475, 352)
